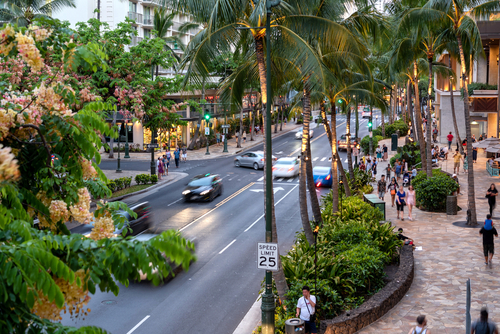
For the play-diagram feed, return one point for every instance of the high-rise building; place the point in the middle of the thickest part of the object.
(380, 5)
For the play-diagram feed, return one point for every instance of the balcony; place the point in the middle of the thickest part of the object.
(137, 17)
(152, 3)
(148, 20)
(135, 40)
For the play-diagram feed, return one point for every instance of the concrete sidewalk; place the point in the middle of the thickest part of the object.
(215, 151)
(449, 255)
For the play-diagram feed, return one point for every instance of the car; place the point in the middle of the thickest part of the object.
(298, 134)
(366, 113)
(342, 142)
(203, 188)
(322, 176)
(286, 167)
(137, 225)
(253, 159)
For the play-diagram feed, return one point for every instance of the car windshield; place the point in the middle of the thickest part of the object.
(285, 162)
(202, 181)
(321, 170)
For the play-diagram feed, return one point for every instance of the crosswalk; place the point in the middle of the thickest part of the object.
(283, 179)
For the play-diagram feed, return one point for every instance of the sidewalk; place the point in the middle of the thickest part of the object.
(215, 151)
(449, 256)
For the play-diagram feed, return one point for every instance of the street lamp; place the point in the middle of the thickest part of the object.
(341, 184)
(376, 119)
(126, 156)
(118, 169)
(207, 129)
(315, 232)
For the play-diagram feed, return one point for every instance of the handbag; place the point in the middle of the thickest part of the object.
(312, 317)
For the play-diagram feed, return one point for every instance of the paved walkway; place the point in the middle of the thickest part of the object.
(215, 151)
(449, 256)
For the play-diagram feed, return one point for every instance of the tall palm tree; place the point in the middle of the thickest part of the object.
(24, 12)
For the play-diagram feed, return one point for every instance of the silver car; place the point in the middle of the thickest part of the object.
(251, 159)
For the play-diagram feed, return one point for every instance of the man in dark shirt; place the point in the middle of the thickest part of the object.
(407, 241)
(488, 245)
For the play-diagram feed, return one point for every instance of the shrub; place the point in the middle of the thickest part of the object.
(138, 178)
(119, 183)
(365, 143)
(112, 186)
(127, 181)
(361, 179)
(154, 178)
(143, 178)
(410, 153)
(431, 192)
(397, 125)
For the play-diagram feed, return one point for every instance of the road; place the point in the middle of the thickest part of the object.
(219, 289)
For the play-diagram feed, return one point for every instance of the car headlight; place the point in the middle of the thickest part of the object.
(204, 192)
(185, 192)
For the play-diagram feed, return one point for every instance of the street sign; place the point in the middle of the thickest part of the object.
(225, 126)
(207, 131)
(267, 256)
(152, 145)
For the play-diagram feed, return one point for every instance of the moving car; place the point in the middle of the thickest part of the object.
(253, 159)
(203, 188)
(366, 113)
(322, 176)
(298, 135)
(286, 167)
(138, 225)
(342, 142)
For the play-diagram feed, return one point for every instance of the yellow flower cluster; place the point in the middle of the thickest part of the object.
(58, 211)
(88, 170)
(41, 34)
(29, 52)
(9, 170)
(5, 46)
(7, 119)
(51, 101)
(46, 201)
(103, 228)
(80, 211)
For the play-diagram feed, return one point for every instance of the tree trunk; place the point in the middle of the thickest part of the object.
(418, 118)
(252, 130)
(382, 119)
(111, 139)
(410, 108)
(348, 138)
(357, 122)
(471, 198)
(333, 145)
(306, 225)
(309, 170)
(390, 108)
(454, 116)
(344, 176)
(429, 122)
(238, 145)
(276, 121)
(279, 276)
(198, 126)
(371, 133)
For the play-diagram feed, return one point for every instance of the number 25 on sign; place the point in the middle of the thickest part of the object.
(267, 256)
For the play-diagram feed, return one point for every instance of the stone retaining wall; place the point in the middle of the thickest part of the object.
(379, 304)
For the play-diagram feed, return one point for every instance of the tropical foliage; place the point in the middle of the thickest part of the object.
(431, 193)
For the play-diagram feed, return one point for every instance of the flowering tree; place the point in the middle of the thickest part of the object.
(51, 120)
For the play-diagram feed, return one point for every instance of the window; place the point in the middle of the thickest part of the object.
(132, 7)
(147, 12)
(147, 33)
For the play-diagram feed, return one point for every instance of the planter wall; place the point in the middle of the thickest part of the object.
(379, 304)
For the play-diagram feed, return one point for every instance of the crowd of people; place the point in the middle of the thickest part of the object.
(163, 162)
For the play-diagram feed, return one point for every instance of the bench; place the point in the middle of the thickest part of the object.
(492, 171)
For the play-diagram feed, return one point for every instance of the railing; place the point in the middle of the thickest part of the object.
(148, 20)
(150, 2)
(491, 170)
(135, 40)
(137, 17)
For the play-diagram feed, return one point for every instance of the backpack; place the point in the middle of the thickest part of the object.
(424, 331)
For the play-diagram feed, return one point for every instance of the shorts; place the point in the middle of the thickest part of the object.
(488, 249)
(457, 165)
(381, 194)
(218, 140)
(397, 174)
(184, 156)
(311, 327)
(400, 207)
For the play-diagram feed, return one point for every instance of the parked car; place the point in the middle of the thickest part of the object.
(286, 167)
(298, 135)
(322, 176)
(203, 188)
(342, 142)
(253, 159)
(137, 225)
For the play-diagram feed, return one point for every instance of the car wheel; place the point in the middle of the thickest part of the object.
(237, 163)
(255, 166)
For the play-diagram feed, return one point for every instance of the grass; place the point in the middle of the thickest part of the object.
(131, 189)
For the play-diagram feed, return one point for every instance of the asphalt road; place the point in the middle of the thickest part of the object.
(219, 289)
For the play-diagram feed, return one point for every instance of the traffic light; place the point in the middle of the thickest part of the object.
(207, 116)
(370, 124)
(340, 101)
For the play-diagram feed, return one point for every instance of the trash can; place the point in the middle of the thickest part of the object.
(451, 205)
(294, 325)
(394, 142)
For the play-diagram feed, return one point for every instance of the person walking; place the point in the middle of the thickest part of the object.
(306, 310)
(488, 244)
(474, 154)
(374, 169)
(393, 188)
(401, 202)
(217, 137)
(379, 152)
(421, 327)
(435, 134)
(450, 140)
(184, 153)
(410, 201)
(491, 195)
(159, 168)
(244, 136)
(385, 149)
(483, 325)
(397, 170)
(382, 186)
(177, 155)
(456, 162)
(164, 162)
(388, 172)
(466, 164)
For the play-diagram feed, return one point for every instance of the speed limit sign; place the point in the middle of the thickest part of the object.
(267, 256)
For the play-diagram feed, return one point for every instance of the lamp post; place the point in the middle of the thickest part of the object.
(376, 119)
(224, 127)
(207, 129)
(341, 185)
(315, 232)
(118, 169)
(153, 162)
(126, 156)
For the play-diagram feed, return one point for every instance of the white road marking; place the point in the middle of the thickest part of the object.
(137, 326)
(315, 159)
(180, 199)
(280, 179)
(346, 160)
(282, 198)
(323, 159)
(262, 178)
(257, 190)
(290, 179)
(232, 242)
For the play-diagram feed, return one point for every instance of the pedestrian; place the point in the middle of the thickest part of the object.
(397, 170)
(421, 327)
(306, 310)
(482, 325)
(217, 137)
(491, 195)
(456, 161)
(177, 155)
(384, 148)
(488, 244)
(388, 172)
(382, 186)
(244, 136)
(369, 165)
(474, 154)
(169, 156)
(404, 165)
(401, 202)
(450, 140)
(413, 173)
(466, 163)
(223, 138)
(164, 162)
(159, 168)
(393, 188)
(184, 153)
(473, 138)
(379, 152)
(455, 178)
(435, 134)
(410, 201)
(404, 238)
(374, 170)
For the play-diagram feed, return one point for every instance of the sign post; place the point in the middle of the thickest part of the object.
(225, 128)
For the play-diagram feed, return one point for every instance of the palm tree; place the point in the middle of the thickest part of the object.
(24, 12)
